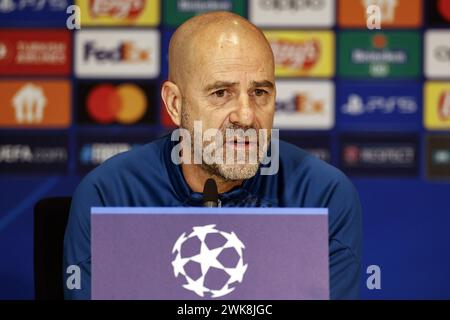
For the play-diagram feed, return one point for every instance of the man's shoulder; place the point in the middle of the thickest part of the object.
(312, 182)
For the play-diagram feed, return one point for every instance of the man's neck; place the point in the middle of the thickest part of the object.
(196, 177)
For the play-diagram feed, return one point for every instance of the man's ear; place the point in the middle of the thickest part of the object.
(171, 95)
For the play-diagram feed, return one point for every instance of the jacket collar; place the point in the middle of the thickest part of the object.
(244, 195)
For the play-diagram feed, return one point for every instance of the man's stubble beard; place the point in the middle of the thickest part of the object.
(226, 172)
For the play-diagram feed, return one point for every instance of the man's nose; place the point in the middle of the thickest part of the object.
(244, 113)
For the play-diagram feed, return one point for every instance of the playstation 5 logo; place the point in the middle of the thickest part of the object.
(356, 106)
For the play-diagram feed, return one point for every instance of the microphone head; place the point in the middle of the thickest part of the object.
(210, 192)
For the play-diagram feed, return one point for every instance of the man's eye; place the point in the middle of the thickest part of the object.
(220, 93)
(260, 92)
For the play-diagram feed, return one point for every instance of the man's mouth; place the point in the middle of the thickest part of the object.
(241, 144)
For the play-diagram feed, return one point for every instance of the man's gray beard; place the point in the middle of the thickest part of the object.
(236, 170)
(228, 172)
(231, 172)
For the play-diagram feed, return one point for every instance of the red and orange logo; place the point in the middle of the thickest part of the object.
(35, 104)
(125, 103)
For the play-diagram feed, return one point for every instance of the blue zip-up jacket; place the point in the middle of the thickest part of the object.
(145, 176)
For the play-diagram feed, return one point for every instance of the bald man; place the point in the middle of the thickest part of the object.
(221, 78)
(221, 73)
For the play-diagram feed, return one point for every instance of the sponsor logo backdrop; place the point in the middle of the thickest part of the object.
(375, 103)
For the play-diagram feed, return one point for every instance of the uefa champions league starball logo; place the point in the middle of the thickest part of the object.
(210, 261)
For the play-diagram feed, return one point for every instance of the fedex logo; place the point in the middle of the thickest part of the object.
(304, 105)
(126, 51)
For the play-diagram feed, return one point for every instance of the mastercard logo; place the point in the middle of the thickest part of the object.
(125, 103)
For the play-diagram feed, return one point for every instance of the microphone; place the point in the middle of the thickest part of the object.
(210, 194)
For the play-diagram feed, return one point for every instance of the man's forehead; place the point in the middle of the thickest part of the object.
(232, 65)
(217, 52)
(232, 70)
(239, 76)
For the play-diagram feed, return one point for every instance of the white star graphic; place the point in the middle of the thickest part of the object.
(202, 231)
(178, 265)
(221, 292)
(237, 274)
(179, 242)
(233, 242)
(208, 258)
(196, 285)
